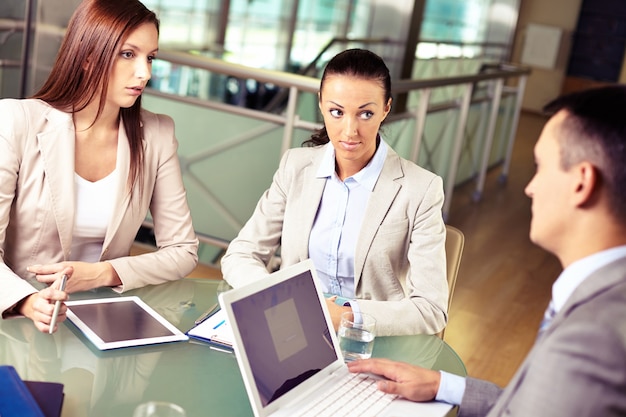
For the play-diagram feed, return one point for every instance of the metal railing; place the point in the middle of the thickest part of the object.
(471, 90)
(436, 95)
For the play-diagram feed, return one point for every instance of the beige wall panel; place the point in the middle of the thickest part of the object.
(546, 84)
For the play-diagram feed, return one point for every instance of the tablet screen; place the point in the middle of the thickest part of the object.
(120, 322)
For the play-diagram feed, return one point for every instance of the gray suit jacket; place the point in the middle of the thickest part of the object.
(577, 367)
(37, 200)
(400, 272)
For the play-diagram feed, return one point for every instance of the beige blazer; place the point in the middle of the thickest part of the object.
(37, 201)
(400, 268)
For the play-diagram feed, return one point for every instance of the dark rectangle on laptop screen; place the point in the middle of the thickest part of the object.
(119, 321)
(275, 375)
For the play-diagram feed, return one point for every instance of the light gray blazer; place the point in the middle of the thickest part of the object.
(577, 367)
(37, 201)
(400, 268)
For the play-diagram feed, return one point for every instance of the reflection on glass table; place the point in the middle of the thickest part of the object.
(202, 380)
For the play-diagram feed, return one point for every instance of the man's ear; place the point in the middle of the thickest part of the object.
(586, 183)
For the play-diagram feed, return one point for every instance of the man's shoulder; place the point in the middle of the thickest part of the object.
(607, 282)
(594, 316)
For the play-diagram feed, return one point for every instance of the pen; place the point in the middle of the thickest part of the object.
(206, 314)
(57, 305)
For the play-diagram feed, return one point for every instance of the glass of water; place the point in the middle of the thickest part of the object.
(223, 286)
(356, 335)
(159, 409)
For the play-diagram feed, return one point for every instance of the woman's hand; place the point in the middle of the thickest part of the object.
(39, 306)
(85, 276)
(336, 311)
(409, 381)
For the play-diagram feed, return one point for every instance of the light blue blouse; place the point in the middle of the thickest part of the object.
(337, 225)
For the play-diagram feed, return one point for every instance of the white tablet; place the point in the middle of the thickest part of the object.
(119, 322)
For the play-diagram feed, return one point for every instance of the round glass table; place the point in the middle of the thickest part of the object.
(204, 381)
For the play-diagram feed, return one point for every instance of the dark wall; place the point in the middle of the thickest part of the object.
(599, 41)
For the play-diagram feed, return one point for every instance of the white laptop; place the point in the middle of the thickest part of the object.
(288, 352)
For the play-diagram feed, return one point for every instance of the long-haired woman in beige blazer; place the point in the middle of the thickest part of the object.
(81, 164)
(370, 220)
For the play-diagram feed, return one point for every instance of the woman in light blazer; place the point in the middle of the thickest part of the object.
(370, 220)
(82, 164)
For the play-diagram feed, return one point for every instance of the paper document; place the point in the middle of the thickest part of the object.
(214, 329)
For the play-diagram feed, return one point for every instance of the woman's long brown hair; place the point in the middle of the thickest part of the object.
(92, 42)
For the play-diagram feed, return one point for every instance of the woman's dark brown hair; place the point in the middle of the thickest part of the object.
(92, 43)
(359, 63)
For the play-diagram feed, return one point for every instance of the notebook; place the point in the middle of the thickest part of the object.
(286, 346)
(214, 330)
(15, 398)
(49, 396)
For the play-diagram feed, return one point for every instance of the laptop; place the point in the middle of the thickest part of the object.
(287, 349)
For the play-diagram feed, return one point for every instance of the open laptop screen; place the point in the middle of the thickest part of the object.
(285, 335)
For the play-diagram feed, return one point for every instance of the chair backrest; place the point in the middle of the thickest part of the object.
(455, 241)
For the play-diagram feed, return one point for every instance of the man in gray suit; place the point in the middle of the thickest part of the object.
(577, 366)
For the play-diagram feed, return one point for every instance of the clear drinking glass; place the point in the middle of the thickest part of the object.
(223, 286)
(356, 335)
(159, 409)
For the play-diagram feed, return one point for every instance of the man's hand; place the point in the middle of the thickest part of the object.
(409, 381)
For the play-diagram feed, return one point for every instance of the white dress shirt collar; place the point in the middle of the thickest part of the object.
(577, 272)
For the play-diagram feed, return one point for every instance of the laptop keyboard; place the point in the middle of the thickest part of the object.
(355, 395)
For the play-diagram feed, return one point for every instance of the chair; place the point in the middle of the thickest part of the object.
(455, 241)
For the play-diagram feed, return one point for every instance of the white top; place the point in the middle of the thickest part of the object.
(94, 208)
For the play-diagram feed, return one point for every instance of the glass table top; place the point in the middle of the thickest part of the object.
(204, 381)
